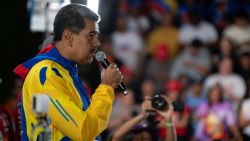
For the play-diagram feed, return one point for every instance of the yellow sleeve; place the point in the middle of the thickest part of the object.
(69, 118)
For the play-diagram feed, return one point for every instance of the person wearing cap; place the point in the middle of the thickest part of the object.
(54, 72)
(158, 68)
(133, 130)
(180, 117)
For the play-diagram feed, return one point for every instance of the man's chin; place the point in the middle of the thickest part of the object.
(89, 61)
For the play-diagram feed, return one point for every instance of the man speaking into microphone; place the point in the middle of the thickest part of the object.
(54, 72)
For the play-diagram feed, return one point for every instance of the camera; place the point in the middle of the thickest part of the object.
(159, 103)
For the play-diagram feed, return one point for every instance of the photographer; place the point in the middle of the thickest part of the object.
(181, 114)
(145, 133)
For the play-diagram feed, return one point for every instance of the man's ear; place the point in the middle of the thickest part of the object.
(68, 37)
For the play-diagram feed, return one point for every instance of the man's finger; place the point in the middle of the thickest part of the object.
(113, 65)
(147, 98)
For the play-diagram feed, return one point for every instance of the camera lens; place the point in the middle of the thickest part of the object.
(159, 103)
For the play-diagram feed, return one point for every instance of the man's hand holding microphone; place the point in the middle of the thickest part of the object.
(113, 72)
(112, 76)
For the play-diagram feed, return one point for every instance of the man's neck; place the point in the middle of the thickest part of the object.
(63, 50)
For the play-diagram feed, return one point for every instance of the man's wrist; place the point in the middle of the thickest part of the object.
(105, 84)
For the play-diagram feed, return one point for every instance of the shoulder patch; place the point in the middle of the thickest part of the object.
(43, 75)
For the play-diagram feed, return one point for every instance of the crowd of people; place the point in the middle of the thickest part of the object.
(193, 52)
(196, 53)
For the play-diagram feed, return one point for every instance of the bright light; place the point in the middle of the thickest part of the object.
(93, 5)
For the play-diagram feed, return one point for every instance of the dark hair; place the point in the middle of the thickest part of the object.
(241, 14)
(151, 130)
(72, 17)
(196, 43)
(217, 86)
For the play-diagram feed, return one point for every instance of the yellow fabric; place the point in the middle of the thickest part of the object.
(173, 4)
(164, 36)
(80, 125)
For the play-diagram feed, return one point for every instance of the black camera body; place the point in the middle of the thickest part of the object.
(159, 103)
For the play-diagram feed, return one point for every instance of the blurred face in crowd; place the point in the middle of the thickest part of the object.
(143, 136)
(245, 62)
(173, 95)
(134, 11)
(148, 88)
(194, 50)
(215, 95)
(225, 46)
(225, 66)
(167, 18)
(195, 19)
(241, 21)
(107, 47)
(82, 46)
(121, 24)
(196, 89)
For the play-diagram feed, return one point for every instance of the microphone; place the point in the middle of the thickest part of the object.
(101, 57)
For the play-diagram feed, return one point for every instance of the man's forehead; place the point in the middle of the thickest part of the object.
(91, 26)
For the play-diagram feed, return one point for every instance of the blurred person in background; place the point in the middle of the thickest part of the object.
(123, 110)
(219, 12)
(107, 47)
(156, 8)
(127, 46)
(244, 69)
(136, 21)
(197, 28)
(226, 49)
(233, 84)
(244, 118)
(193, 62)
(148, 88)
(194, 97)
(239, 32)
(3, 135)
(133, 131)
(166, 35)
(180, 118)
(8, 107)
(217, 118)
(158, 68)
(183, 15)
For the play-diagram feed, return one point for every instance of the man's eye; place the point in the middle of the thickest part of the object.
(92, 35)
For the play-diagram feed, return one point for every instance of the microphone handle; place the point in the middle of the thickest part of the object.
(105, 63)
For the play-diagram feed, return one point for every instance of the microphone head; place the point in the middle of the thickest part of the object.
(100, 56)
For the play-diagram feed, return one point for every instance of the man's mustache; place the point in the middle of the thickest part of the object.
(93, 50)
